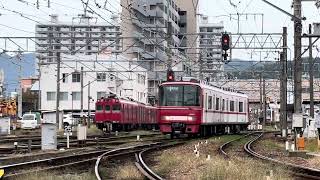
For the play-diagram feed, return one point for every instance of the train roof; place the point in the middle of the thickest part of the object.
(124, 100)
(205, 85)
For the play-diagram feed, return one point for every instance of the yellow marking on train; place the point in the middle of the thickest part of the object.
(1, 173)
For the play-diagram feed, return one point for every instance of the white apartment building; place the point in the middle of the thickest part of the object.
(210, 47)
(146, 21)
(83, 36)
(105, 73)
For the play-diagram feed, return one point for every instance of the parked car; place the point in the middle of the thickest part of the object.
(30, 120)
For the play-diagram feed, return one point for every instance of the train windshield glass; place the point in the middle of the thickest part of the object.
(180, 95)
(99, 107)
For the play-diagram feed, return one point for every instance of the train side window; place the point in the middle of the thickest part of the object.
(210, 102)
(206, 101)
(223, 104)
(232, 106)
(213, 102)
(240, 106)
(217, 103)
(116, 107)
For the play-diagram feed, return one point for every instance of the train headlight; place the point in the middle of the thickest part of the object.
(165, 118)
(191, 118)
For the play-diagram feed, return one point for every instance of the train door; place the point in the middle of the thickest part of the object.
(205, 109)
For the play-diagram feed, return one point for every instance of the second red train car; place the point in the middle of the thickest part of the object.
(117, 114)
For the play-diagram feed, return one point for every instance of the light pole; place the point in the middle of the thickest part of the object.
(72, 107)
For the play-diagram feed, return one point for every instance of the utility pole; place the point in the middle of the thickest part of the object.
(297, 56)
(311, 74)
(81, 92)
(58, 91)
(201, 66)
(89, 98)
(169, 36)
(261, 97)
(283, 85)
(264, 104)
(20, 87)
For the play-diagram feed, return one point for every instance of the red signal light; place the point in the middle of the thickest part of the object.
(225, 42)
(170, 75)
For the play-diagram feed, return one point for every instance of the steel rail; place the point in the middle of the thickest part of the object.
(98, 160)
(298, 170)
(225, 145)
(144, 169)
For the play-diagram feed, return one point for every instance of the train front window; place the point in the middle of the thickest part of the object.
(99, 107)
(180, 95)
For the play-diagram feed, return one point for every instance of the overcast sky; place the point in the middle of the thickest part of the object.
(215, 9)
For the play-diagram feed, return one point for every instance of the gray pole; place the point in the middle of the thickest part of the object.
(283, 85)
(58, 90)
(261, 98)
(200, 68)
(297, 57)
(89, 98)
(169, 34)
(20, 87)
(264, 104)
(311, 74)
(81, 93)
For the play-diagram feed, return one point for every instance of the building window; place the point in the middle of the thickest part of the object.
(153, 7)
(141, 79)
(76, 77)
(240, 106)
(112, 77)
(63, 96)
(65, 77)
(101, 77)
(76, 96)
(51, 96)
(101, 94)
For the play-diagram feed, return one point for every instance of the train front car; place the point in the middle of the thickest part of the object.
(107, 115)
(179, 110)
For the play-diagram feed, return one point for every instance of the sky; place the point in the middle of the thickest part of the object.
(18, 17)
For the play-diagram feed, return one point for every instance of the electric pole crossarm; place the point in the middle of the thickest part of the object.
(310, 46)
(283, 11)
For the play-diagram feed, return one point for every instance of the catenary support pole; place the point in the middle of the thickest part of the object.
(58, 119)
(297, 57)
(311, 75)
(283, 85)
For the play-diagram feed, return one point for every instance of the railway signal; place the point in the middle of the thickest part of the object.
(170, 75)
(225, 44)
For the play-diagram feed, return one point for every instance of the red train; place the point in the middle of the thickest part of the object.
(116, 114)
(192, 107)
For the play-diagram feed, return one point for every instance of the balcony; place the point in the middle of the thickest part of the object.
(38, 29)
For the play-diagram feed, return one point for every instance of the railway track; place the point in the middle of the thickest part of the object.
(69, 161)
(140, 163)
(36, 145)
(299, 171)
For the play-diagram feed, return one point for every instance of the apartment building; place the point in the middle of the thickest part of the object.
(147, 23)
(82, 36)
(102, 74)
(210, 48)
